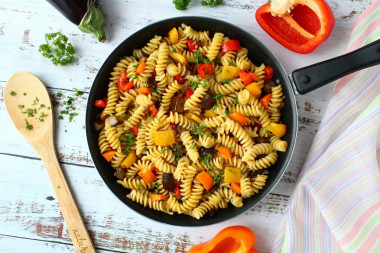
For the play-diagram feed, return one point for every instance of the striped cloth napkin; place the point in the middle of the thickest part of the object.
(335, 206)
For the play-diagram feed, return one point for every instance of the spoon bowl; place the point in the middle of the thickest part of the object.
(29, 106)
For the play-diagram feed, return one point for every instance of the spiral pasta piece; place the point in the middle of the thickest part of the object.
(111, 136)
(143, 197)
(103, 142)
(278, 144)
(214, 48)
(234, 128)
(196, 98)
(214, 121)
(135, 184)
(144, 100)
(228, 88)
(136, 117)
(112, 97)
(258, 149)
(230, 143)
(152, 45)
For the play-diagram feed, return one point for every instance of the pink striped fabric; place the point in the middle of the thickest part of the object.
(335, 206)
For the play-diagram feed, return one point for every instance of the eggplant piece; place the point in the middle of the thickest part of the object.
(268, 86)
(262, 139)
(168, 181)
(119, 173)
(254, 173)
(86, 14)
(98, 125)
(112, 120)
(213, 188)
(177, 105)
(180, 129)
(208, 102)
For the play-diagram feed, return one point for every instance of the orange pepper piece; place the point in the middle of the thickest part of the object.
(236, 187)
(224, 152)
(238, 117)
(140, 68)
(157, 197)
(234, 239)
(109, 154)
(206, 180)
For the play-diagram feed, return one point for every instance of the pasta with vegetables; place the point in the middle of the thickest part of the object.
(190, 123)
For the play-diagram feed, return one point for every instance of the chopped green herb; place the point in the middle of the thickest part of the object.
(198, 58)
(20, 106)
(214, 107)
(244, 174)
(59, 94)
(57, 49)
(135, 66)
(229, 147)
(218, 96)
(233, 64)
(172, 49)
(27, 125)
(199, 130)
(145, 85)
(128, 139)
(24, 93)
(72, 115)
(217, 61)
(138, 186)
(169, 62)
(205, 84)
(64, 112)
(42, 106)
(41, 117)
(193, 85)
(236, 100)
(60, 117)
(163, 150)
(135, 76)
(144, 149)
(30, 112)
(217, 179)
(248, 114)
(35, 101)
(12, 93)
(88, 77)
(177, 152)
(77, 92)
(226, 113)
(226, 81)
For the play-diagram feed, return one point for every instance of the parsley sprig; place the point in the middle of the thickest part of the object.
(57, 49)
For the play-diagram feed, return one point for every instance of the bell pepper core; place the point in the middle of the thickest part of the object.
(234, 239)
(299, 25)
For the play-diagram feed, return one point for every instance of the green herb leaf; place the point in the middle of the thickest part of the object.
(218, 96)
(212, 3)
(12, 93)
(77, 92)
(57, 49)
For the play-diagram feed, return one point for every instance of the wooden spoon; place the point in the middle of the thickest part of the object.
(25, 89)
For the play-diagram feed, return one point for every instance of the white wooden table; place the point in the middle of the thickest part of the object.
(30, 218)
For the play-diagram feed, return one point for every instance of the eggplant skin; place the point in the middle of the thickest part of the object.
(86, 14)
(73, 10)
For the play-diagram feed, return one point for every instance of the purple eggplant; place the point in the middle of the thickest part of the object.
(86, 14)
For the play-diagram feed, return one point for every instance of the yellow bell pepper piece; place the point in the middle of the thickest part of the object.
(209, 114)
(173, 35)
(164, 138)
(178, 58)
(193, 117)
(254, 89)
(278, 130)
(129, 160)
(229, 72)
(232, 175)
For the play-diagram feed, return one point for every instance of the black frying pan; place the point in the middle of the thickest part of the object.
(301, 81)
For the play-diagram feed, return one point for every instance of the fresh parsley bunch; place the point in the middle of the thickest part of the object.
(57, 49)
(182, 4)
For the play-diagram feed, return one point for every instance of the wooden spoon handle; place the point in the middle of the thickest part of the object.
(74, 222)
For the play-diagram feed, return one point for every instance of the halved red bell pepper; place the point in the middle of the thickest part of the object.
(234, 239)
(299, 25)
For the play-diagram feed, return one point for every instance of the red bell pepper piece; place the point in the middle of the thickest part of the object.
(152, 110)
(265, 100)
(122, 82)
(268, 73)
(192, 45)
(177, 191)
(231, 45)
(189, 92)
(134, 129)
(179, 79)
(299, 25)
(205, 69)
(101, 103)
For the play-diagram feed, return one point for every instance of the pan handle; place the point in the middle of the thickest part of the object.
(315, 76)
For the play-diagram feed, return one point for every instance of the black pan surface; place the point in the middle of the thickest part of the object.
(258, 53)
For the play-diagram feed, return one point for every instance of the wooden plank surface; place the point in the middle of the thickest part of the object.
(29, 214)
